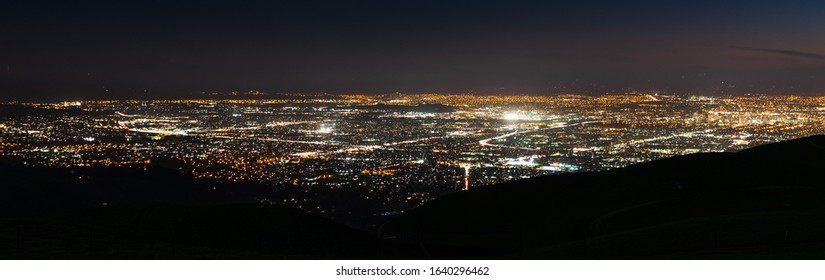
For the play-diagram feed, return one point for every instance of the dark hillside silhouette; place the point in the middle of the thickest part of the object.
(764, 202)
(132, 213)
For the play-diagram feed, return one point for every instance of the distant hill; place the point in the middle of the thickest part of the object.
(767, 202)
(420, 108)
(17, 110)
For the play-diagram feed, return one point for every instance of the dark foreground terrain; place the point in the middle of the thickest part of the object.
(115, 213)
(766, 202)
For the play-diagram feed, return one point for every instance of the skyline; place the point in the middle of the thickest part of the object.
(59, 51)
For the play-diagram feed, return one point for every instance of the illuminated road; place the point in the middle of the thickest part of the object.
(659, 138)
(365, 148)
(486, 142)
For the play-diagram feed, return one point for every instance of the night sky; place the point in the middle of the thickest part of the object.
(154, 49)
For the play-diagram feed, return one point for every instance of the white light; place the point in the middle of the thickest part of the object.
(514, 116)
(325, 129)
(520, 161)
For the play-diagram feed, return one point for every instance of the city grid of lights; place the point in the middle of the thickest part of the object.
(399, 151)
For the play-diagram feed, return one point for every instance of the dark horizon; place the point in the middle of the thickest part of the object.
(157, 50)
(295, 96)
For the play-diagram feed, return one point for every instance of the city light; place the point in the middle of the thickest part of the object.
(397, 157)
